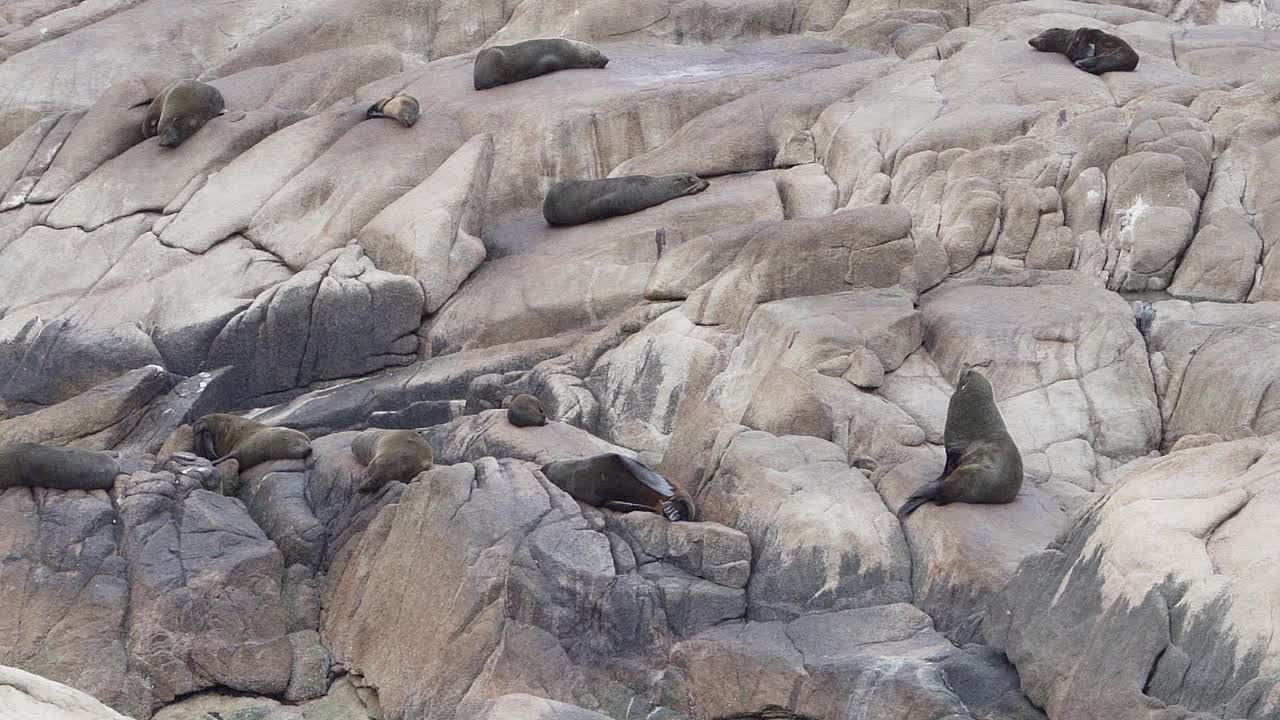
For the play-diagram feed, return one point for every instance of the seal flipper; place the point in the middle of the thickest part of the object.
(620, 506)
(679, 508)
(645, 475)
(930, 491)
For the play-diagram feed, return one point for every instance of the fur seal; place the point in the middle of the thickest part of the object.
(180, 110)
(574, 202)
(526, 411)
(983, 464)
(390, 456)
(618, 483)
(60, 468)
(221, 436)
(504, 64)
(401, 108)
(1089, 49)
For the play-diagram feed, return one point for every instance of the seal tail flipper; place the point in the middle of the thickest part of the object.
(620, 506)
(920, 497)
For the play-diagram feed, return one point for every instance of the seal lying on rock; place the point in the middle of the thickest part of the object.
(617, 482)
(1089, 49)
(983, 465)
(60, 468)
(401, 108)
(526, 411)
(180, 110)
(221, 436)
(390, 456)
(503, 64)
(574, 202)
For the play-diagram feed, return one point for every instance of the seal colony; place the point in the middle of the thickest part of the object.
(983, 464)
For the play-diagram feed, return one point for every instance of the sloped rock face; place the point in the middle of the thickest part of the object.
(898, 191)
(1183, 586)
(473, 547)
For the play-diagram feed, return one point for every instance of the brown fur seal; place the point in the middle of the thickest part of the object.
(983, 465)
(526, 411)
(618, 483)
(180, 110)
(390, 456)
(402, 108)
(503, 64)
(574, 202)
(60, 468)
(221, 436)
(1091, 50)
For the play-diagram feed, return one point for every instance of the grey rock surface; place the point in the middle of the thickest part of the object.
(899, 189)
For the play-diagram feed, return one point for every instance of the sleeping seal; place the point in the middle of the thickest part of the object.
(618, 483)
(504, 64)
(574, 202)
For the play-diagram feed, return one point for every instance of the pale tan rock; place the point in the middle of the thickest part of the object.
(32, 697)
(1190, 526)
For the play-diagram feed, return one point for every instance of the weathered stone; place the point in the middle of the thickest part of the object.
(1135, 612)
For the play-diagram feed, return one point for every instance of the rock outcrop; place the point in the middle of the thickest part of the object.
(899, 190)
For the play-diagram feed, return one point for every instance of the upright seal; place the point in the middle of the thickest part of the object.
(60, 468)
(983, 464)
(618, 483)
(1089, 49)
(390, 456)
(220, 436)
(180, 110)
(504, 64)
(574, 202)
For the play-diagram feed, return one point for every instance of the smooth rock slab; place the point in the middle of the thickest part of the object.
(1208, 370)
(868, 663)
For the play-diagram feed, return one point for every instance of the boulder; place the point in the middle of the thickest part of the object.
(1150, 603)
(821, 537)
(31, 696)
(97, 419)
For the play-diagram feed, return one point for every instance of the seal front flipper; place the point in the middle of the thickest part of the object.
(679, 508)
(1089, 65)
